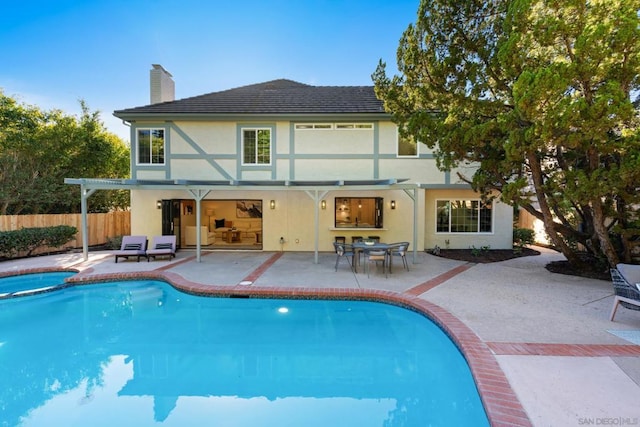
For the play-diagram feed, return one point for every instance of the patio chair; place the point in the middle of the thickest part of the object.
(343, 251)
(376, 256)
(340, 239)
(626, 278)
(400, 250)
(132, 246)
(162, 246)
(374, 238)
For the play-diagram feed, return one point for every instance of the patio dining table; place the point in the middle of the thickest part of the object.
(376, 246)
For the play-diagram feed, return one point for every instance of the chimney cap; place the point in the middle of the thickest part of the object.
(161, 68)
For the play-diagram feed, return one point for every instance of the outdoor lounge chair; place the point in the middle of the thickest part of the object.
(343, 251)
(626, 278)
(162, 246)
(132, 246)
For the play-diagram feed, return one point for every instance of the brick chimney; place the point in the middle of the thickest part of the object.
(162, 87)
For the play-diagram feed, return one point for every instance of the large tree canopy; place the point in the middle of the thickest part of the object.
(537, 94)
(38, 149)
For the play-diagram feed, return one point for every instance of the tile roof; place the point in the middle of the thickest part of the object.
(274, 97)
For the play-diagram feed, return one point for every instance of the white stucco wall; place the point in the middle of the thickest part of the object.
(208, 151)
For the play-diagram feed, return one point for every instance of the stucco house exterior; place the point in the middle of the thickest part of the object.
(290, 167)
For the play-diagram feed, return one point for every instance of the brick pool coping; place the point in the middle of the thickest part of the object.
(499, 400)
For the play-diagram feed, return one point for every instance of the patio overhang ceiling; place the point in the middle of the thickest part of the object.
(229, 185)
(200, 188)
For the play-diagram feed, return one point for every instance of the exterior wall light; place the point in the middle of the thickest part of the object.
(323, 204)
(159, 204)
(272, 204)
(393, 204)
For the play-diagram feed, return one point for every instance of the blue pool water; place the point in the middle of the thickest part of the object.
(28, 283)
(144, 354)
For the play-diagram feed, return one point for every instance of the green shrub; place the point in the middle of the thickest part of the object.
(479, 251)
(29, 239)
(521, 238)
(114, 242)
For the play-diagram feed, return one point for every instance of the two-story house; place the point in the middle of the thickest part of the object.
(283, 165)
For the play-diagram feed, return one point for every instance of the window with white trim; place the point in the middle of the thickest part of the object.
(354, 126)
(308, 126)
(150, 146)
(256, 146)
(407, 145)
(464, 216)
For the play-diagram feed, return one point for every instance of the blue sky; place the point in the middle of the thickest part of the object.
(54, 53)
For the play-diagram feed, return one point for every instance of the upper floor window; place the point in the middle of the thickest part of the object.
(150, 146)
(407, 146)
(256, 146)
(356, 126)
(463, 216)
(337, 126)
(309, 126)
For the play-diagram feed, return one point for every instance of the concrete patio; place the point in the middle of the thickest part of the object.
(549, 333)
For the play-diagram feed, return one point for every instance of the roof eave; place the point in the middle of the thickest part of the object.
(132, 117)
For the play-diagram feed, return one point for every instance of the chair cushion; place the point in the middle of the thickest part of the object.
(630, 272)
(132, 247)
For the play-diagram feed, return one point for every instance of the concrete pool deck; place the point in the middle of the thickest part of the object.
(550, 334)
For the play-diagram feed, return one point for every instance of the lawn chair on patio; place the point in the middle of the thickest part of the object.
(373, 255)
(132, 246)
(343, 251)
(399, 250)
(626, 278)
(162, 246)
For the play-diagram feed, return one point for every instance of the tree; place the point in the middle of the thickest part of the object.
(38, 149)
(538, 95)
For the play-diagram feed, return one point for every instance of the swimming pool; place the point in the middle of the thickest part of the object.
(27, 284)
(143, 353)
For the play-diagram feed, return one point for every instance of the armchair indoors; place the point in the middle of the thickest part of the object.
(190, 236)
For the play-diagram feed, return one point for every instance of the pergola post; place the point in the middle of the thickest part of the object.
(316, 196)
(413, 195)
(84, 195)
(198, 195)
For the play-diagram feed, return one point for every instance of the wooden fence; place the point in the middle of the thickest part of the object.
(101, 225)
(526, 220)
